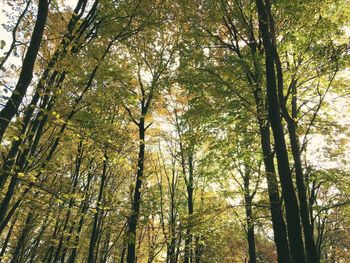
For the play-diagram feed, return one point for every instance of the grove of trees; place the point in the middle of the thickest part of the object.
(194, 131)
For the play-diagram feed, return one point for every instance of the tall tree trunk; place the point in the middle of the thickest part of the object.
(132, 222)
(37, 240)
(278, 223)
(26, 75)
(250, 223)
(84, 209)
(198, 250)
(188, 257)
(20, 159)
(97, 216)
(74, 178)
(289, 196)
(172, 245)
(18, 252)
(7, 239)
(49, 253)
(63, 232)
(105, 249)
(178, 245)
(311, 251)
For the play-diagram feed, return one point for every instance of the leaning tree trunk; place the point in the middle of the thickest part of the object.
(83, 210)
(18, 252)
(7, 239)
(311, 251)
(289, 196)
(278, 223)
(26, 75)
(97, 217)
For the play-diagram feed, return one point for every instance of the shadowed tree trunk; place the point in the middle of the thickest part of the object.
(132, 222)
(188, 257)
(144, 102)
(84, 208)
(18, 253)
(311, 251)
(97, 216)
(26, 75)
(7, 239)
(248, 198)
(278, 223)
(289, 196)
(254, 77)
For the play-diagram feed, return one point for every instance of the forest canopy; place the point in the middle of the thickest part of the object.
(197, 131)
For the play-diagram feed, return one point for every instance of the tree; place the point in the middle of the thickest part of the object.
(183, 131)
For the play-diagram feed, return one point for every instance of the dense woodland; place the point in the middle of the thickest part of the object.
(194, 131)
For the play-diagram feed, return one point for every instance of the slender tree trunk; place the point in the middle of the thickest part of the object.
(172, 245)
(12, 211)
(198, 250)
(104, 252)
(49, 253)
(311, 251)
(84, 209)
(26, 75)
(289, 196)
(97, 216)
(7, 239)
(36, 242)
(17, 254)
(278, 223)
(21, 159)
(188, 257)
(64, 228)
(178, 244)
(122, 254)
(132, 222)
(75, 177)
(250, 223)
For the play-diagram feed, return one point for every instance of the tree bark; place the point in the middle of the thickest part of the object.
(97, 216)
(7, 239)
(250, 223)
(132, 222)
(278, 223)
(26, 75)
(18, 253)
(188, 257)
(84, 209)
(289, 196)
(311, 251)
